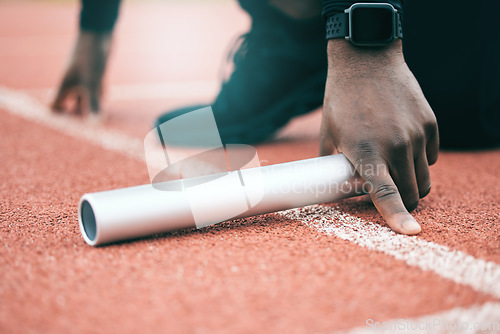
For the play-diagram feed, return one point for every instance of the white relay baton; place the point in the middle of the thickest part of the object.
(129, 213)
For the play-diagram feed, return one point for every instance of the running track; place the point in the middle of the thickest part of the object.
(319, 269)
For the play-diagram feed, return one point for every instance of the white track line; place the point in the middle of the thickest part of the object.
(23, 105)
(457, 266)
(462, 268)
(475, 319)
(205, 89)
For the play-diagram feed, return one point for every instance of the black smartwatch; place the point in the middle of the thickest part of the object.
(366, 24)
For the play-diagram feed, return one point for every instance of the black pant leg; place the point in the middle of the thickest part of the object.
(452, 47)
(98, 15)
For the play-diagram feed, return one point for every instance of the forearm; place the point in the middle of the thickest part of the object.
(99, 16)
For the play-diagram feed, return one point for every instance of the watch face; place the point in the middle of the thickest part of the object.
(372, 25)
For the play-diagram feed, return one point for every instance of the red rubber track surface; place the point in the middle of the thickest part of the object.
(264, 274)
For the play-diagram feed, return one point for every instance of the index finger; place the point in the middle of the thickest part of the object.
(386, 197)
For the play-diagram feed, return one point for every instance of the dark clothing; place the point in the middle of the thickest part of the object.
(332, 7)
(454, 52)
(452, 48)
(98, 15)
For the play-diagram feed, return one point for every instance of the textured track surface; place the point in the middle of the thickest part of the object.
(297, 272)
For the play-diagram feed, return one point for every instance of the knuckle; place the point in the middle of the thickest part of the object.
(363, 150)
(384, 191)
(400, 143)
(419, 139)
(363, 153)
(366, 147)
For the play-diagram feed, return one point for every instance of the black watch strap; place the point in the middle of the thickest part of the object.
(337, 26)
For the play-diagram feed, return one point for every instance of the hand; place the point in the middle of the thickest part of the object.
(376, 115)
(83, 78)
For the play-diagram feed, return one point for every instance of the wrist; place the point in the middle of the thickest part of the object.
(344, 57)
(85, 33)
(95, 39)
